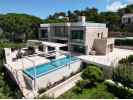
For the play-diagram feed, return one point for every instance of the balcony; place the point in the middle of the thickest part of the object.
(77, 41)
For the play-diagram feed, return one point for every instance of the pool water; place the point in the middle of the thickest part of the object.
(49, 67)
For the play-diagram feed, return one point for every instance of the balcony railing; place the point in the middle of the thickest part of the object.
(64, 35)
(77, 41)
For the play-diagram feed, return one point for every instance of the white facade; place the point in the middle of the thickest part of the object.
(127, 19)
(79, 36)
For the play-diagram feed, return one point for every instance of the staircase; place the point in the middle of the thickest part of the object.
(29, 94)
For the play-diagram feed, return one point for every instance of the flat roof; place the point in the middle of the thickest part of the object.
(53, 44)
(87, 24)
(46, 43)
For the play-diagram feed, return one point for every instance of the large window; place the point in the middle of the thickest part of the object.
(51, 48)
(44, 33)
(77, 34)
(60, 31)
(65, 48)
(100, 35)
(129, 20)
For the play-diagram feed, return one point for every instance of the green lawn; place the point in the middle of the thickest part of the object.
(98, 92)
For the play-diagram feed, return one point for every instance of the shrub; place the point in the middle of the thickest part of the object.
(63, 78)
(130, 59)
(127, 42)
(127, 60)
(72, 73)
(45, 97)
(123, 61)
(81, 83)
(31, 50)
(92, 74)
(42, 90)
(77, 89)
(102, 95)
(84, 65)
(107, 71)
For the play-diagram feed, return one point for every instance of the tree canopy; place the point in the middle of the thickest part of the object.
(112, 19)
(19, 26)
(8, 88)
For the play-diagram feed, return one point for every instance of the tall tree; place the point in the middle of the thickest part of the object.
(124, 74)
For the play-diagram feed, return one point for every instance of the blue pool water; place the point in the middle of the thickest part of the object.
(49, 67)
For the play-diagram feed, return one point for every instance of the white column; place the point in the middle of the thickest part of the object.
(57, 51)
(36, 49)
(35, 87)
(45, 49)
(8, 55)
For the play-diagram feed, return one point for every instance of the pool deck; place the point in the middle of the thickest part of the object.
(28, 62)
(111, 59)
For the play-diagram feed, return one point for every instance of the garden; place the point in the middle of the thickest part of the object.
(95, 86)
(91, 86)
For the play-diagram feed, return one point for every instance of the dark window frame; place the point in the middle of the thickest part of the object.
(44, 33)
(77, 34)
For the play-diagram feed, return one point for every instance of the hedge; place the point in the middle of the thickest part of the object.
(125, 42)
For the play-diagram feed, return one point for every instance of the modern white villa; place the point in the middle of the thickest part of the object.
(82, 36)
(58, 53)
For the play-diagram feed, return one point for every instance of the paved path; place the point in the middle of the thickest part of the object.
(63, 87)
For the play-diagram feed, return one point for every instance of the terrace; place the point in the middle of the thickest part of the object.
(109, 60)
(19, 60)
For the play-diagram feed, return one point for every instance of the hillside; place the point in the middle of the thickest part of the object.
(20, 27)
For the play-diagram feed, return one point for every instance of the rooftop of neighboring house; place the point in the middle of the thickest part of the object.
(128, 15)
(82, 22)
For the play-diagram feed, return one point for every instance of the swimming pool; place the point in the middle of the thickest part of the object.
(49, 67)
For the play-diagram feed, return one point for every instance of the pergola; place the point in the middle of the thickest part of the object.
(46, 44)
(54, 45)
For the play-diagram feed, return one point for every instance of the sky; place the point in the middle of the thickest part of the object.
(42, 8)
